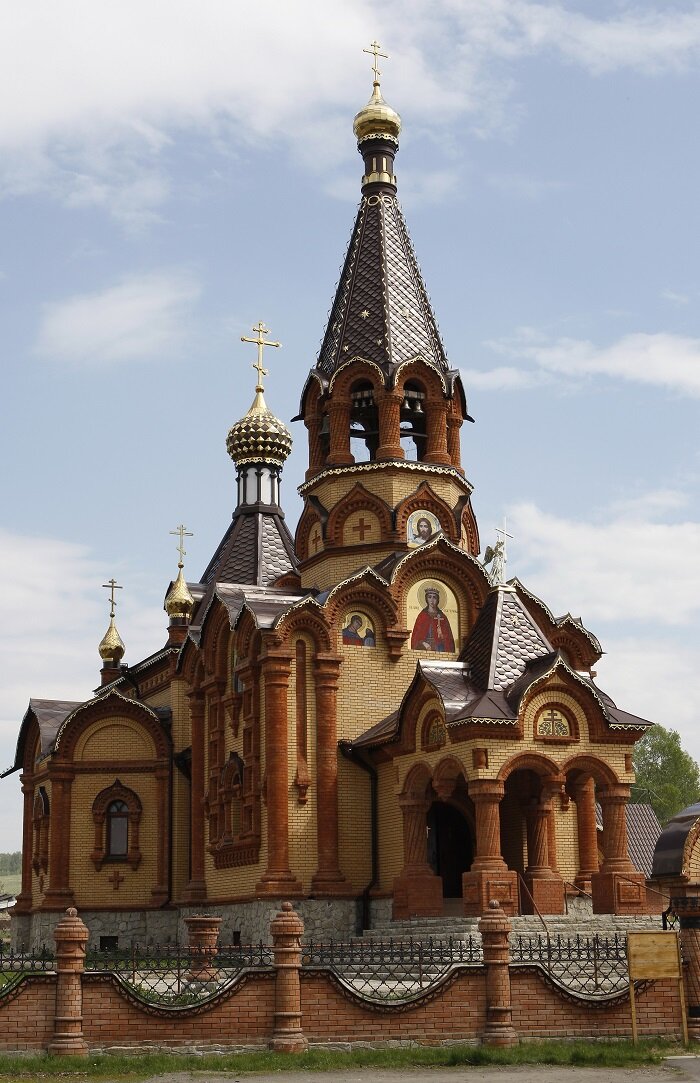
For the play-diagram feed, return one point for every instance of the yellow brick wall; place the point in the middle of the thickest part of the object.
(115, 739)
(37, 895)
(92, 888)
(354, 824)
(391, 485)
(390, 827)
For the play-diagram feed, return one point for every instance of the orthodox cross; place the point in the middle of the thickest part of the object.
(111, 586)
(361, 527)
(261, 342)
(374, 50)
(116, 879)
(183, 533)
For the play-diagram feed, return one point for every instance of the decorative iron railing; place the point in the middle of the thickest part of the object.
(14, 964)
(591, 966)
(392, 970)
(169, 976)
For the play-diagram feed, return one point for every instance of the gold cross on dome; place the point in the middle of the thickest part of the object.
(261, 342)
(374, 50)
(111, 585)
(183, 533)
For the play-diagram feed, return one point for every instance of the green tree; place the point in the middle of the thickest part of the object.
(667, 776)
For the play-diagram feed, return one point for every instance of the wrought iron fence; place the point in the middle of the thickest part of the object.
(392, 970)
(592, 966)
(14, 964)
(171, 976)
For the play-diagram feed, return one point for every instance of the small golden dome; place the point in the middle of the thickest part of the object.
(111, 648)
(376, 119)
(178, 601)
(259, 437)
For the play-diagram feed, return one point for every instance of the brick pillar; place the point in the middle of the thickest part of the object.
(494, 928)
(389, 411)
(71, 937)
(203, 945)
(489, 877)
(584, 796)
(417, 890)
(618, 888)
(436, 431)
(545, 886)
(59, 893)
(196, 890)
(316, 457)
(454, 423)
(277, 878)
(339, 422)
(24, 899)
(287, 929)
(328, 879)
(159, 892)
(688, 909)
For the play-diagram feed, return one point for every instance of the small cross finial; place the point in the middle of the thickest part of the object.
(112, 585)
(261, 342)
(182, 533)
(374, 51)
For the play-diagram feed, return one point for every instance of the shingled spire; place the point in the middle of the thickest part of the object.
(381, 310)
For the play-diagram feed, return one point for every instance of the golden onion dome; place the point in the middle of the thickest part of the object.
(178, 601)
(376, 119)
(111, 647)
(259, 437)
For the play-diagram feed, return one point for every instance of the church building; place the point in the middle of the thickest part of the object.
(362, 717)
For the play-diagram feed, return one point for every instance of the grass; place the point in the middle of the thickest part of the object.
(604, 1054)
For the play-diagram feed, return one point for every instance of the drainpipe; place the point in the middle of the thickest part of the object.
(357, 757)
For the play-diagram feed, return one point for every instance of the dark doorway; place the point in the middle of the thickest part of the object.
(450, 850)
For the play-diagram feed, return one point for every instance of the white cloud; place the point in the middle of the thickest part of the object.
(661, 359)
(623, 567)
(144, 317)
(104, 91)
(503, 378)
(675, 298)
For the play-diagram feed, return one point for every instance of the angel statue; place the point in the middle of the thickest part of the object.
(496, 557)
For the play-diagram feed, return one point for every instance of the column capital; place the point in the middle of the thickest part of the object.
(485, 789)
(614, 794)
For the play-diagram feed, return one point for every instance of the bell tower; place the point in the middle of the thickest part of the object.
(382, 406)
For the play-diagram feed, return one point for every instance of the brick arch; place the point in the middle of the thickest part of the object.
(356, 368)
(302, 542)
(419, 370)
(100, 806)
(592, 767)
(358, 499)
(104, 708)
(245, 631)
(568, 643)
(424, 497)
(306, 620)
(190, 665)
(469, 525)
(447, 774)
(561, 680)
(530, 761)
(435, 561)
(417, 781)
(214, 643)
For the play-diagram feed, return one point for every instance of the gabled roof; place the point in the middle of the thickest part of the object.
(257, 548)
(381, 311)
(50, 715)
(503, 640)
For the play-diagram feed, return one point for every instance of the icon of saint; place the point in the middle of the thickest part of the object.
(351, 633)
(432, 631)
(423, 530)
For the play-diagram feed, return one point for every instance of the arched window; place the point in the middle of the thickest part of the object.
(364, 422)
(40, 819)
(117, 829)
(116, 813)
(413, 426)
(552, 724)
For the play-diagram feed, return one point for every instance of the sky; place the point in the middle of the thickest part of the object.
(172, 173)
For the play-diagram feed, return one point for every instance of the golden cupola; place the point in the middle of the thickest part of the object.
(179, 603)
(259, 436)
(377, 120)
(111, 646)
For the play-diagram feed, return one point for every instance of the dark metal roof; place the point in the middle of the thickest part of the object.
(643, 830)
(381, 310)
(670, 846)
(49, 714)
(503, 640)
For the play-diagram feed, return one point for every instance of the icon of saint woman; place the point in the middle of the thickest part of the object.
(432, 631)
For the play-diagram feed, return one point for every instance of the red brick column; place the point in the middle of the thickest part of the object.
(339, 422)
(202, 942)
(584, 796)
(454, 423)
(328, 879)
(417, 890)
(71, 937)
(436, 431)
(489, 877)
(196, 890)
(316, 459)
(389, 411)
(277, 878)
(59, 894)
(545, 887)
(287, 929)
(24, 899)
(494, 928)
(618, 888)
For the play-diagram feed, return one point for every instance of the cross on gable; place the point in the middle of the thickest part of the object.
(362, 528)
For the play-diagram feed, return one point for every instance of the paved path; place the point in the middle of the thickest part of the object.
(674, 1070)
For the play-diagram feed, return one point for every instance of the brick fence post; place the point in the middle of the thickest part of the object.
(202, 942)
(71, 937)
(286, 929)
(494, 927)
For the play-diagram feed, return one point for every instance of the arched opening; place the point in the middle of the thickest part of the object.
(529, 837)
(450, 846)
(364, 422)
(412, 421)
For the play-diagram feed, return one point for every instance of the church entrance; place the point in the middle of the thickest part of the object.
(450, 847)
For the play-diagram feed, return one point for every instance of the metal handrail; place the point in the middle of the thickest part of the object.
(534, 905)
